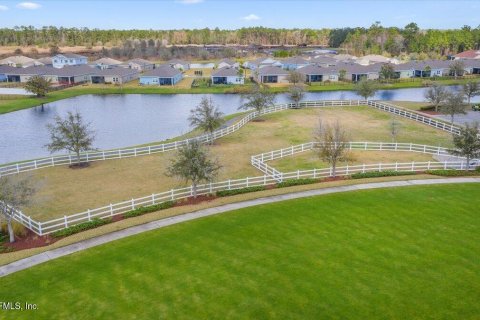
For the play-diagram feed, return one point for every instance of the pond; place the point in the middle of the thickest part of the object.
(127, 120)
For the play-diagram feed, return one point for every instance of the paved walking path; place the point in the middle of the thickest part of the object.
(85, 244)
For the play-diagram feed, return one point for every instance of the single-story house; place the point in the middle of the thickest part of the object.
(271, 74)
(163, 75)
(356, 72)
(469, 54)
(227, 75)
(4, 71)
(116, 75)
(312, 73)
(471, 66)
(105, 63)
(376, 58)
(227, 63)
(46, 61)
(69, 75)
(261, 62)
(294, 63)
(20, 61)
(68, 59)
(24, 74)
(141, 65)
(178, 64)
(324, 61)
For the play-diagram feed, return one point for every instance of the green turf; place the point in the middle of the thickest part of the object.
(356, 255)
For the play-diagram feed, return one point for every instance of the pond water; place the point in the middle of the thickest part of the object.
(126, 120)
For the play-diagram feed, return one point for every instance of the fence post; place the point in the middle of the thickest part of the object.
(380, 167)
(70, 158)
(30, 222)
(103, 153)
(111, 209)
(363, 168)
(461, 165)
(171, 195)
(153, 198)
(229, 184)
(66, 222)
(18, 169)
(89, 215)
(413, 165)
(40, 228)
(396, 166)
(428, 165)
(133, 204)
(298, 174)
(247, 182)
(211, 187)
(35, 162)
(191, 191)
(445, 165)
(314, 173)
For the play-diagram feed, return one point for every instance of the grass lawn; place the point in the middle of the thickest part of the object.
(66, 191)
(182, 87)
(310, 160)
(355, 255)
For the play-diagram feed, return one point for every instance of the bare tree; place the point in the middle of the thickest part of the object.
(70, 134)
(467, 143)
(258, 98)
(296, 94)
(14, 195)
(457, 68)
(394, 128)
(206, 116)
(193, 163)
(454, 104)
(470, 90)
(295, 77)
(436, 95)
(333, 143)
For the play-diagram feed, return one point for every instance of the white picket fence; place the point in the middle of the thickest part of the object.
(18, 167)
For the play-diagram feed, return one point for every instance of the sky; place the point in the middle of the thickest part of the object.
(233, 14)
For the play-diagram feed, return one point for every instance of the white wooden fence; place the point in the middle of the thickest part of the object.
(18, 167)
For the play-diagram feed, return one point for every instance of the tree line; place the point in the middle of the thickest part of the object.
(376, 39)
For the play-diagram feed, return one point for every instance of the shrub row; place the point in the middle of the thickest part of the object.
(147, 209)
(377, 174)
(81, 227)
(225, 193)
(453, 173)
(296, 182)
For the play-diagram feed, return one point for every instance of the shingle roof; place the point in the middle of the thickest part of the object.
(227, 61)
(71, 55)
(295, 60)
(163, 71)
(116, 71)
(311, 69)
(177, 61)
(324, 60)
(272, 70)
(70, 71)
(225, 72)
(140, 61)
(469, 54)
(17, 60)
(4, 69)
(107, 61)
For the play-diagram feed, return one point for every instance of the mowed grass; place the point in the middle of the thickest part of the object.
(66, 191)
(355, 255)
(310, 159)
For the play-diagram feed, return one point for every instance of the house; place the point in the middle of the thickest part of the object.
(423, 69)
(68, 59)
(227, 75)
(105, 63)
(46, 61)
(469, 54)
(4, 71)
(227, 63)
(324, 61)
(294, 63)
(404, 70)
(312, 73)
(20, 61)
(24, 74)
(271, 74)
(356, 72)
(375, 58)
(69, 75)
(344, 57)
(260, 63)
(472, 66)
(141, 65)
(116, 75)
(163, 75)
(178, 64)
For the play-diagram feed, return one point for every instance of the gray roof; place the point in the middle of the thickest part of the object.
(324, 60)
(177, 61)
(272, 70)
(354, 68)
(33, 70)
(116, 71)
(163, 71)
(140, 61)
(107, 61)
(72, 55)
(421, 65)
(225, 72)
(227, 61)
(4, 69)
(295, 60)
(45, 60)
(70, 71)
(311, 69)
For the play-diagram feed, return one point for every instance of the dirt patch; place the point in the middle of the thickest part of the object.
(30, 240)
(79, 165)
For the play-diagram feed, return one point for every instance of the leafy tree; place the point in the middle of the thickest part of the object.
(258, 98)
(38, 85)
(394, 128)
(341, 74)
(471, 89)
(457, 68)
(454, 104)
(436, 95)
(206, 116)
(295, 77)
(70, 134)
(14, 195)
(427, 71)
(333, 143)
(296, 94)
(193, 163)
(387, 71)
(365, 88)
(467, 143)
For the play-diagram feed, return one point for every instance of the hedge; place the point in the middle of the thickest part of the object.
(296, 182)
(81, 227)
(147, 209)
(453, 173)
(377, 174)
(225, 193)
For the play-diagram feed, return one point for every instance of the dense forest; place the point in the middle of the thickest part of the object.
(375, 39)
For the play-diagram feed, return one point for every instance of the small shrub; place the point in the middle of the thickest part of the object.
(296, 182)
(427, 108)
(147, 209)
(80, 227)
(225, 193)
(377, 174)
(453, 173)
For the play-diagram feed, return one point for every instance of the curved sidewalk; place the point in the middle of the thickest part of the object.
(89, 243)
